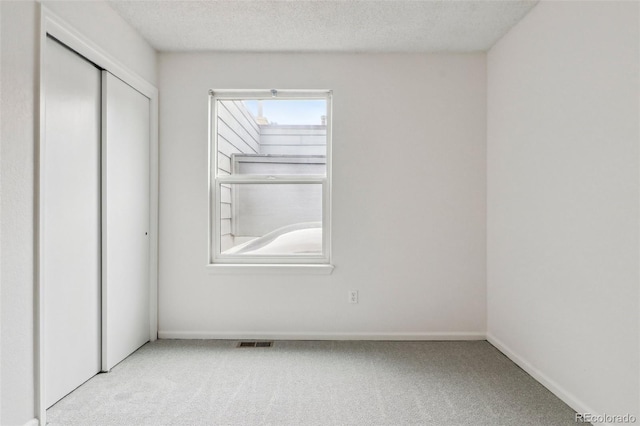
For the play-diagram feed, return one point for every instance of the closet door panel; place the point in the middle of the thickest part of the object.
(71, 223)
(125, 161)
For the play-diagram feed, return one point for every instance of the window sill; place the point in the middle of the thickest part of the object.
(273, 269)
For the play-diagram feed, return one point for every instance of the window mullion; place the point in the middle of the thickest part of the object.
(293, 179)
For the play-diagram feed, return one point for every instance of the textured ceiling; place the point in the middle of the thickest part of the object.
(322, 26)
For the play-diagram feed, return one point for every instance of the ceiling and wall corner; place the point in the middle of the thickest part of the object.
(323, 26)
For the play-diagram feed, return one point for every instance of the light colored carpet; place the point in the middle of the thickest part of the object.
(211, 382)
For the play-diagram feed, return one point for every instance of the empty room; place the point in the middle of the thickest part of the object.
(319, 212)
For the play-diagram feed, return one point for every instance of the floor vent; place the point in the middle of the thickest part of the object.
(254, 344)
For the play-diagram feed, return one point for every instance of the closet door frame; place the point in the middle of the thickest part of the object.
(52, 25)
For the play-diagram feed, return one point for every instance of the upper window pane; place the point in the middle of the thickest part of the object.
(272, 137)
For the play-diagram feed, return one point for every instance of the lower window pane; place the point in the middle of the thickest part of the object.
(271, 219)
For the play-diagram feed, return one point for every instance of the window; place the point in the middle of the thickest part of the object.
(270, 177)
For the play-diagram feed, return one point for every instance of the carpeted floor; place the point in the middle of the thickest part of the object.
(212, 382)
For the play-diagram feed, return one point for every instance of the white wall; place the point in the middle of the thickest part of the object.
(563, 199)
(425, 274)
(17, 152)
(19, 62)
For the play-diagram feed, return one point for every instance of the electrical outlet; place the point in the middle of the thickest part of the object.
(353, 296)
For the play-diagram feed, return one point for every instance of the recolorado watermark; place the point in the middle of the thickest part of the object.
(604, 418)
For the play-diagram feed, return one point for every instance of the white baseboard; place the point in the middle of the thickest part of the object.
(238, 335)
(32, 422)
(567, 397)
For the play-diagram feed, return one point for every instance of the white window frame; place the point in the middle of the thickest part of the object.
(231, 262)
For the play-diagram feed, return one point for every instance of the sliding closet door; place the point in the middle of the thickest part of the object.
(71, 222)
(125, 220)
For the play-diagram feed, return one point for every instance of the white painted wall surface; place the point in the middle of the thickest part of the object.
(409, 130)
(19, 63)
(563, 199)
(17, 145)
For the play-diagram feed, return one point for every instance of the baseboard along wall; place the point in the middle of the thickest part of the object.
(262, 335)
(567, 397)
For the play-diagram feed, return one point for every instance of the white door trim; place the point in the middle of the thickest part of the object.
(51, 24)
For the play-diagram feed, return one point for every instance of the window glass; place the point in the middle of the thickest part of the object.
(270, 179)
(270, 219)
(279, 129)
